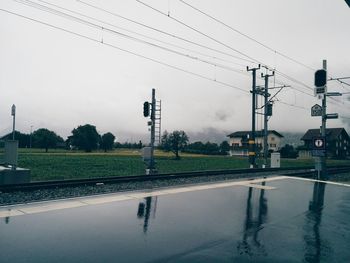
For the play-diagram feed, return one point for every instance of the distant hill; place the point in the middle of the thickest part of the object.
(292, 138)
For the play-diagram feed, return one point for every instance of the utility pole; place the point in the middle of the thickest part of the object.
(13, 113)
(153, 130)
(320, 143)
(266, 114)
(252, 148)
(30, 138)
(149, 110)
(324, 124)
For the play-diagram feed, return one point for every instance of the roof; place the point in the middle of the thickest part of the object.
(241, 134)
(331, 133)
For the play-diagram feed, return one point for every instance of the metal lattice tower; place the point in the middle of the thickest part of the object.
(158, 120)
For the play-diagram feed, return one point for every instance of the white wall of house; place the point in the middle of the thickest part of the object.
(273, 141)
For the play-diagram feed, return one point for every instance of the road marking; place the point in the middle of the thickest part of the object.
(259, 186)
(33, 208)
(320, 181)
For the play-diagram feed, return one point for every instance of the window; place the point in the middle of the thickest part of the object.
(272, 145)
(272, 139)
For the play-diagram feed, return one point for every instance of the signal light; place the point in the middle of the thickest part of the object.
(146, 108)
(320, 78)
(269, 109)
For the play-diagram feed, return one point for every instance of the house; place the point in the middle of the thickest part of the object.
(239, 141)
(337, 143)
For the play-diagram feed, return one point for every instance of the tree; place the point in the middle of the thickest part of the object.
(85, 138)
(174, 142)
(224, 147)
(107, 141)
(22, 138)
(288, 151)
(44, 138)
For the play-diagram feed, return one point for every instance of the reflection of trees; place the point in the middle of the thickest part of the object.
(7, 219)
(312, 237)
(253, 224)
(144, 211)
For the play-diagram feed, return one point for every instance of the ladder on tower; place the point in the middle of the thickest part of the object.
(158, 120)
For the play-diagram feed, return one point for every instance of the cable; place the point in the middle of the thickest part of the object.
(142, 35)
(293, 105)
(248, 37)
(87, 23)
(124, 50)
(163, 32)
(199, 32)
(221, 43)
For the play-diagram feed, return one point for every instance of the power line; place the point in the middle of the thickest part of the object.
(163, 32)
(246, 36)
(67, 16)
(87, 23)
(124, 50)
(142, 35)
(199, 32)
(221, 43)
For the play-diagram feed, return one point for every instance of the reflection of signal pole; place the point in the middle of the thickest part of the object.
(313, 240)
(252, 149)
(145, 210)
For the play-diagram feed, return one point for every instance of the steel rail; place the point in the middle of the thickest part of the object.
(306, 170)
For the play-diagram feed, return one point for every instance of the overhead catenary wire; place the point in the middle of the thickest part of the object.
(56, 12)
(142, 35)
(93, 25)
(164, 32)
(247, 36)
(124, 50)
(178, 68)
(223, 44)
(191, 42)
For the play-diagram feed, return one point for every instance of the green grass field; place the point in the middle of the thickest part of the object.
(60, 164)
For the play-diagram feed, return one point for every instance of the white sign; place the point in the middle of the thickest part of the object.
(319, 143)
(316, 110)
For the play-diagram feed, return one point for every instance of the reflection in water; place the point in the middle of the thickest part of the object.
(253, 224)
(312, 237)
(144, 211)
(7, 219)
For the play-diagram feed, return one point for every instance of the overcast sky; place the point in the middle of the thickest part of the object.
(59, 80)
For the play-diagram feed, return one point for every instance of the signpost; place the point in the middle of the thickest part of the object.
(316, 110)
(13, 113)
(319, 146)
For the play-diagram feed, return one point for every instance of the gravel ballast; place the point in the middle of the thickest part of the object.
(20, 197)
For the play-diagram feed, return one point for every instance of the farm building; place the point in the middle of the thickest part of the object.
(239, 142)
(337, 143)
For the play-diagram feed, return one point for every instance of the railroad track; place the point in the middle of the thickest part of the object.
(306, 171)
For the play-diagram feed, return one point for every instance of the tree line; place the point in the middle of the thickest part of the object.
(178, 141)
(84, 137)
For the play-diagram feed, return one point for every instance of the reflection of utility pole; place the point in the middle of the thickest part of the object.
(313, 241)
(252, 147)
(252, 225)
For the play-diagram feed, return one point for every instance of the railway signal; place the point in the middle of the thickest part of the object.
(146, 109)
